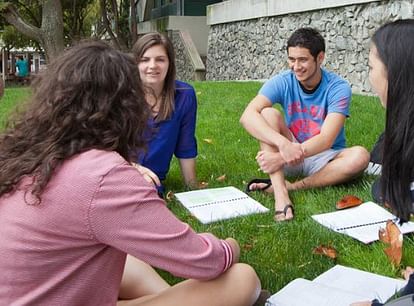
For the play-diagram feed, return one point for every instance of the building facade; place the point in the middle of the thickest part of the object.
(247, 39)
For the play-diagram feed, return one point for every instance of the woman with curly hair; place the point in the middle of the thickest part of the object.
(72, 206)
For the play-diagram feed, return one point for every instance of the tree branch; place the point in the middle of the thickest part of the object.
(13, 17)
(106, 23)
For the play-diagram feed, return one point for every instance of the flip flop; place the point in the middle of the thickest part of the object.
(266, 181)
(284, 211)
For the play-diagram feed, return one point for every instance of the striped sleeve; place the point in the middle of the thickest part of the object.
(228, 255)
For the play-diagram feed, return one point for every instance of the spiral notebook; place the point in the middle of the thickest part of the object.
(339, 286)
(362, 222)
(214, 204)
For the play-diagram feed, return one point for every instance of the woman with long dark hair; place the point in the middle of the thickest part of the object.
(392, 77)
(72, 205)
(391, 62)
(173, 107)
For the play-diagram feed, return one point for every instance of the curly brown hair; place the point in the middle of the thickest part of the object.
(88, 98)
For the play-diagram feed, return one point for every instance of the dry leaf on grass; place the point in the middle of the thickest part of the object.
(169, 196)
(221, 178)
(392, 236)
(202, 185)
(348, 201)
(208, 140)
(326, 251)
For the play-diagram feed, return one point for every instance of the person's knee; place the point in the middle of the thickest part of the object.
(272, 116)
(245, 279)
(358, 159)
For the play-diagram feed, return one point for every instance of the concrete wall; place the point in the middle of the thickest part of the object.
(195, 25)
(255, 47)
(188, 62)
(237, 10)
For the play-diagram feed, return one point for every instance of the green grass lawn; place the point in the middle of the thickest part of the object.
(279, 252)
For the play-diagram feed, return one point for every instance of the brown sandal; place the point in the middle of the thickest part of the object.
(284, 211)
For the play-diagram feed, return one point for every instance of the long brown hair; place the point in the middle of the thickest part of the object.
(140, 47)
(88, 98)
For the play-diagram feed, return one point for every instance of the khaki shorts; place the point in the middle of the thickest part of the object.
(312, 164)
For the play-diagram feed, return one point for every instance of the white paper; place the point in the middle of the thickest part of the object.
(214, 204)
(300, 292)
(361, 222)
(370, 285)
(339, 286)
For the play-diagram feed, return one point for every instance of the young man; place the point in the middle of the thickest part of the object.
(22, 67)
(310, 139)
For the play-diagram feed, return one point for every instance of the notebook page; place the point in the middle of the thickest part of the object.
(214, 204)
(300, 292)
(361, 222)
(371, 285)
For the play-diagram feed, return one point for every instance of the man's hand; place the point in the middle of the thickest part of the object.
(269, 162)
(292, 153)
(148, 175)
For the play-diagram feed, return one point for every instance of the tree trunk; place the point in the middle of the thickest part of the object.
(49, 35)
(52, 28)
(134, 34)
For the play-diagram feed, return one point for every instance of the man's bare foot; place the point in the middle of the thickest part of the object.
(260, 184)
(285, 214)
(266, 186)
(261, 187)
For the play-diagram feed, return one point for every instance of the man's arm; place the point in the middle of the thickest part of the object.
(256, 125)
(324, 140)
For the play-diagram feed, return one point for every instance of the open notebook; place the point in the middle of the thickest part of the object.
(339, 286)
(214, 204)
(361, 222)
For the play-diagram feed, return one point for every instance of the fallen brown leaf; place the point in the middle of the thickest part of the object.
(221, 178)
(169, 196)
(247, 247)
(326, 251)
(392, 236)
(202, 185)
(348, 201)
(208, 140)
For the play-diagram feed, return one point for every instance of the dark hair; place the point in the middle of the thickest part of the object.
(395, 48)
(308, 38)
(88, 98)
(140, 47)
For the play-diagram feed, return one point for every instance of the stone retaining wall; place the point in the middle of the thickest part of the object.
(185, 70)
(256, 49)
(188, 62)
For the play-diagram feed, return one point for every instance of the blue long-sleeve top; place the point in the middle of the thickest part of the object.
(174, 136)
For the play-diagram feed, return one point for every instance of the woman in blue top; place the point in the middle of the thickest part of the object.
(174, 107)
